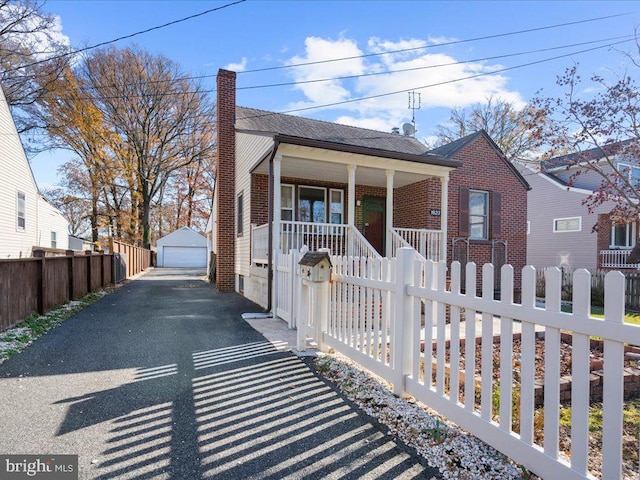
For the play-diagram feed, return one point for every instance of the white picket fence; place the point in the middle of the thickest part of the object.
(382, 314)
(288, 285)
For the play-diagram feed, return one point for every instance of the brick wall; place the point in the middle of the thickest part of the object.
(225, 181)
(413, 202)
(484, 169)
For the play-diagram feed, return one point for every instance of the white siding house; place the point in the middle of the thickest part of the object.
(560, 228)
(26, 218)
(561, 225)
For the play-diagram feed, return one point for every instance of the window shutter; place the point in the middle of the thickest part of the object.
(496, 215)
(463, 212)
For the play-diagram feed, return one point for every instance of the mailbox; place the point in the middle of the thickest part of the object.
(315, 266)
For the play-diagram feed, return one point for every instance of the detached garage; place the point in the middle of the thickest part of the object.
(183, 248)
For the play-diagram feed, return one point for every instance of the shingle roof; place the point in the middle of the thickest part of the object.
(451, 148)
(584, 156)
(278, 123)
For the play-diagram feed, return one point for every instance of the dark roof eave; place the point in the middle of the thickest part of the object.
(426, 159)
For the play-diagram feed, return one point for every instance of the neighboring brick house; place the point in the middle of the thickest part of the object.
(355, 191)
(562, 231)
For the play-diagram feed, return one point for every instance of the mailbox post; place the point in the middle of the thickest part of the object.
(315, 271)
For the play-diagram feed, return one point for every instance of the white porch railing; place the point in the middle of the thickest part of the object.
(359, 246)
(340, 239)
(616, 259)
(260, 244)
(428, 243)
(375, 317)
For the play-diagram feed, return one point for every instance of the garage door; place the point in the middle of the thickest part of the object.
(194, 257)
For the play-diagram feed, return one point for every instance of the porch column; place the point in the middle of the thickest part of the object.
(277, 203)
(351, 193)
(277, 160)
(389, 220)
(444, 209)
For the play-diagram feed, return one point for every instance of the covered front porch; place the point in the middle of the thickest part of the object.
(352, 204)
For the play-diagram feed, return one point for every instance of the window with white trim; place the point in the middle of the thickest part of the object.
(632, 172)
(623, 236)
(312, 204)
(54, 240)
(478, 214)
(286, 202)
(21, 208)
(336, 209)
(569, 224)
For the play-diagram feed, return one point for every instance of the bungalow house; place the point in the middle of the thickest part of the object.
(286, 182)
(27, 219)
(561, 230)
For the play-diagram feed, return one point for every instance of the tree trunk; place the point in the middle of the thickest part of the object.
(94, 214)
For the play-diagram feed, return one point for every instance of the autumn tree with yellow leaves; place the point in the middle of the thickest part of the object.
(143, 131)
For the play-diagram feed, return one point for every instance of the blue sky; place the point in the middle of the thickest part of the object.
(260, 34)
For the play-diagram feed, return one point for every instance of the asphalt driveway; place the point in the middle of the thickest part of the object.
(163, 379)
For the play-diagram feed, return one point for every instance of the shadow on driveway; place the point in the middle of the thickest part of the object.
(163, 379)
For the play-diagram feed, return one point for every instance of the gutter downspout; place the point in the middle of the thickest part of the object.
(270, 223)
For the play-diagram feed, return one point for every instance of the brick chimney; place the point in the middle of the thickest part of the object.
(225, 181)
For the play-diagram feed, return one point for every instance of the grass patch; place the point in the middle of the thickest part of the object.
(16, 339)
(598, 312)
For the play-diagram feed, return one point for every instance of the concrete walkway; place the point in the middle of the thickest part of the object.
(163, 379)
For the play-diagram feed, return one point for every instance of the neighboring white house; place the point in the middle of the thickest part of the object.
(563, 231)
(26, 218)
(560, 228)
(183, 248)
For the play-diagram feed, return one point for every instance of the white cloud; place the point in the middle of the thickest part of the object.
(402, 49)
(434, 75)
(41, 42)
(383, 123)
(440, 40)
(320, 50)
(237, 67)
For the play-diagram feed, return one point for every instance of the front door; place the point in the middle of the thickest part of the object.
(374, 222)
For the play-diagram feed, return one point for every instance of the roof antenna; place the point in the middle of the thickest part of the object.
(414, 104)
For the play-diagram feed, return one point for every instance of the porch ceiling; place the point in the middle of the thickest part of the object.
(333, 168)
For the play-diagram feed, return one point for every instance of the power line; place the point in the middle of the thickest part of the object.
(444, 44)
(470, 77)
(196, 77)
(446, 82)
(627, 38)
(621, 39)
(124, 37)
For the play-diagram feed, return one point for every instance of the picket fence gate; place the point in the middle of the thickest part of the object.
(381, 313)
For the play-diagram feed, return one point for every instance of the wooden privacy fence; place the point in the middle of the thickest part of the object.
(137, 259)
(36, 285)
(631, 291)
(387, 315)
